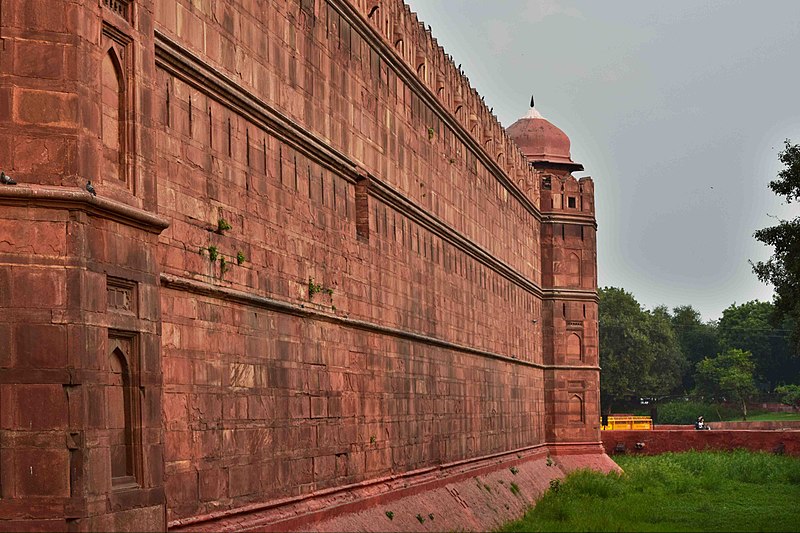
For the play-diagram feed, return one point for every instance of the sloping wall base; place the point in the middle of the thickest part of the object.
(468, 496)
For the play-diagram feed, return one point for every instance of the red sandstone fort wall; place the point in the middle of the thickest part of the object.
(391, 296)
(261, 403)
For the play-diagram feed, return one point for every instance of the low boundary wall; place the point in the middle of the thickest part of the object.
(663, 440)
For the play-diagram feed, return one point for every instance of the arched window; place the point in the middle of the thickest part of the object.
(112, 101)
(119, 414)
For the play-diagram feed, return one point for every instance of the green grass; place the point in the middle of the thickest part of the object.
(692, 491)
(770, 417)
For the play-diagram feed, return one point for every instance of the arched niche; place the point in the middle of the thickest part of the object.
(113, 119)
(575, 409)
(122, 408)
(574, 350)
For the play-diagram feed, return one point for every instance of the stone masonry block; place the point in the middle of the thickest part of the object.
(40, 472)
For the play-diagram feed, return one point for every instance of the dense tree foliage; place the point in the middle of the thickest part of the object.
(639, 352)
(657, 354)
(727, 377)
(751, 327)
(698, 340)
(782, 270)
(789, 394)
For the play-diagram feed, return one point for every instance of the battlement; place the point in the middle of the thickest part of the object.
(411, 40)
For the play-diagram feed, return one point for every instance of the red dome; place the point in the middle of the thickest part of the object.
(540, 141)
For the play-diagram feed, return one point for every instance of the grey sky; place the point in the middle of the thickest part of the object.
(677, 110)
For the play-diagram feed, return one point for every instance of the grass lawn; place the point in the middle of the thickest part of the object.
(691, 491)
(771, 416)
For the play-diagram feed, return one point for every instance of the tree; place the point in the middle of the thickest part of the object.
(782, 270)
(790, 395)
(639, 353)
(754, 327)
(728, 376)
(697, 339)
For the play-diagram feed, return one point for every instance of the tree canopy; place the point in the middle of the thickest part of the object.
(698, 340)
(755, 327)
(657, 354)
(639, 353)
(728, 376)
(782, 269)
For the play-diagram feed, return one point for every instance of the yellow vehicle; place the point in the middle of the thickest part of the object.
(618, 422)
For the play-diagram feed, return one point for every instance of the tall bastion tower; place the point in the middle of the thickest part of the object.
(274, 265)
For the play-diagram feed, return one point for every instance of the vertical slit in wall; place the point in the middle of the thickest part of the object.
(295, 173)
(169, 111)
(230, 138)
(280, 163)
(210, 129)
(322, 185)
(308, 180)
(264, 145)
(191, 122)
(247, 144)
(362, 208)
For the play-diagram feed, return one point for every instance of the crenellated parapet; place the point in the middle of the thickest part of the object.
(415, 44)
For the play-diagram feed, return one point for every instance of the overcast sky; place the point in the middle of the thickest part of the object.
(677, 110)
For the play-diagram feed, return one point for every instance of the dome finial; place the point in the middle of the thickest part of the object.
(531, 100)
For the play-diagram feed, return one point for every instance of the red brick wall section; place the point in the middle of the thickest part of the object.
(253, 397)
(677, 440)
(350, 287)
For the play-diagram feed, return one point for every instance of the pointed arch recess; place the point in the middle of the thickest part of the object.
(575, 409)
(113, 115)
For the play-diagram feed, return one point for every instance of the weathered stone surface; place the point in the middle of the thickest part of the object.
(315, 260)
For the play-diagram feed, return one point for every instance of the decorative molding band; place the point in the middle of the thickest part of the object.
(241, 297)
(409, 77)
(77, 198)
(588, 295)
(569, 218)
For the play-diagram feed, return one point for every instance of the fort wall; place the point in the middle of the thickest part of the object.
(315, 260)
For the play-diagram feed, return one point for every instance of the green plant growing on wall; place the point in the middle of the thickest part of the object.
(213, 253)
(514, 488)
(316, 288)
(514, 470)
(240, 258)
(222, 226)
(390, 515)
(430, 516)
(420, 518)
(223, 265)
(431, 133)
